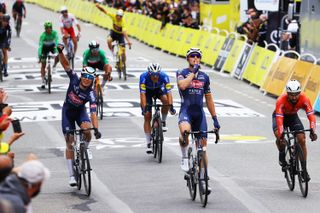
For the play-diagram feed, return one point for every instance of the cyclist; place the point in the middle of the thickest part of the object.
(193, 84)
(118, 31)
(96, 58)
(74, 110)
(48, 42)
(67, 21)
(154, 83)
(5, 40)
(285, 115)
(18, 9)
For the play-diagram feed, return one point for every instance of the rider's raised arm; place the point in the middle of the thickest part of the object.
(101, 8)
(63, 60)
(184, 82)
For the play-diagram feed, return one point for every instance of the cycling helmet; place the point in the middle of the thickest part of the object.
(93, 44)
(88, 71)
(47, 24)
(6, 17)
(154, 69)
(193, 50)
(63, 9)
(119, 12)
(293, 86)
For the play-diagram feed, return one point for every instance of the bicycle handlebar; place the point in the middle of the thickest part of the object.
(79, 131)
(215, 131)
(297, 131)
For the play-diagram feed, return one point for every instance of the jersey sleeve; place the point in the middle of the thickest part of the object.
(41, 40)
(179, 75)
(309, 111)
(85, 57)
(92, 102)
(166, 82)
(207, 85)
(142, 83)
(279, 115)
(103, 57)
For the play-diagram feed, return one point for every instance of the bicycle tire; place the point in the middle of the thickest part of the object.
(124, 70)
(118, 64)
(155, 139)
(160, 141)
(76, 168)
(191, 182)
(85, 169)
(18, 26)
(301, 171)
(289, 173)
(49, 79)
(203, 190)
(99, 103)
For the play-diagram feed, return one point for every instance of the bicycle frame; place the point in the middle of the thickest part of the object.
(120, 62)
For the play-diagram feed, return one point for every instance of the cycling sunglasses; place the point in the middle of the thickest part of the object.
(87, 76)
(193, 55)
(154, 74)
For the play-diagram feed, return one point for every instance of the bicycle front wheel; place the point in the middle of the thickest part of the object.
(86, 170)
(18, 26)
(191, 176)
(76, 168)
(203, 179)
(159, 141)
(49, 79)
(289, 172)
(124, 70)
(301, 171)
(99, 102)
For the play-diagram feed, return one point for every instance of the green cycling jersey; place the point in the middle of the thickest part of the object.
(92, 59)
(48, 38)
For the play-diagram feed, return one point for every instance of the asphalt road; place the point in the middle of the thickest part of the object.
(243, 167)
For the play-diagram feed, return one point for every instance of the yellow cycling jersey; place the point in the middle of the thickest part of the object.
(118, 26)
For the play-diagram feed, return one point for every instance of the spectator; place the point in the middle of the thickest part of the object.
(6, 165)
(20, 188)
(290, 36)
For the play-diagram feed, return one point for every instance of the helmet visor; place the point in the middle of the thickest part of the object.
(193, 55)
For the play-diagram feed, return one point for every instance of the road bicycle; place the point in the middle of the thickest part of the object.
(196, 160)
(1, 65)
(70, 51)
(18, 24)
(295, 161)
(48, 77)
(120, 61)
(157, 130)
(81, 164)
(99, 94)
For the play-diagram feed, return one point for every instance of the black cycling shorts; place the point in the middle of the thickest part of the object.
(117, 37)
(292, 121)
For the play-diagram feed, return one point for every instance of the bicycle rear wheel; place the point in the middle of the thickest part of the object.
(99, 102)
(289, 172)
(155, 138)
(85, 169)
(203, 181)
(18, 26)
(301, 171)
(191, 180)
(49, 78)
(160, 142)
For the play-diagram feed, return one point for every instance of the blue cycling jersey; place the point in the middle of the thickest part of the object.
(193, 95)
(77, 98)
(146, 82)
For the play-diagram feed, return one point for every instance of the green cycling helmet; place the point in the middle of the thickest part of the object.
(48, 24)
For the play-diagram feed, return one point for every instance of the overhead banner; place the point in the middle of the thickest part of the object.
(269, 5)
(242, 61)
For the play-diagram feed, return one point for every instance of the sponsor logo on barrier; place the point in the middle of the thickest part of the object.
(206, 46)
(279, 75)
(189, 38)
(265, 63)
(312, 85)
(244, 56)
(200, 40)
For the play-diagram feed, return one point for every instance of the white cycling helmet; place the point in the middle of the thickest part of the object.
(63, 9)
(193, 50)
(293, 86)
(88, 71)
(93, 44)
(120, 12)
(154, 68)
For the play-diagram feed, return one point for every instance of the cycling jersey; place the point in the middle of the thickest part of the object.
(193, 95)
(5, 36)
(117, 26)
(147, 84)
(18, 7)
(191, 110)
(89, 59)
(285, 108)
(46, 38)
(74, 109)
(68, 22)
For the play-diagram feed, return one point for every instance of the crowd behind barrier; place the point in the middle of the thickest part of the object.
(268, 68)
